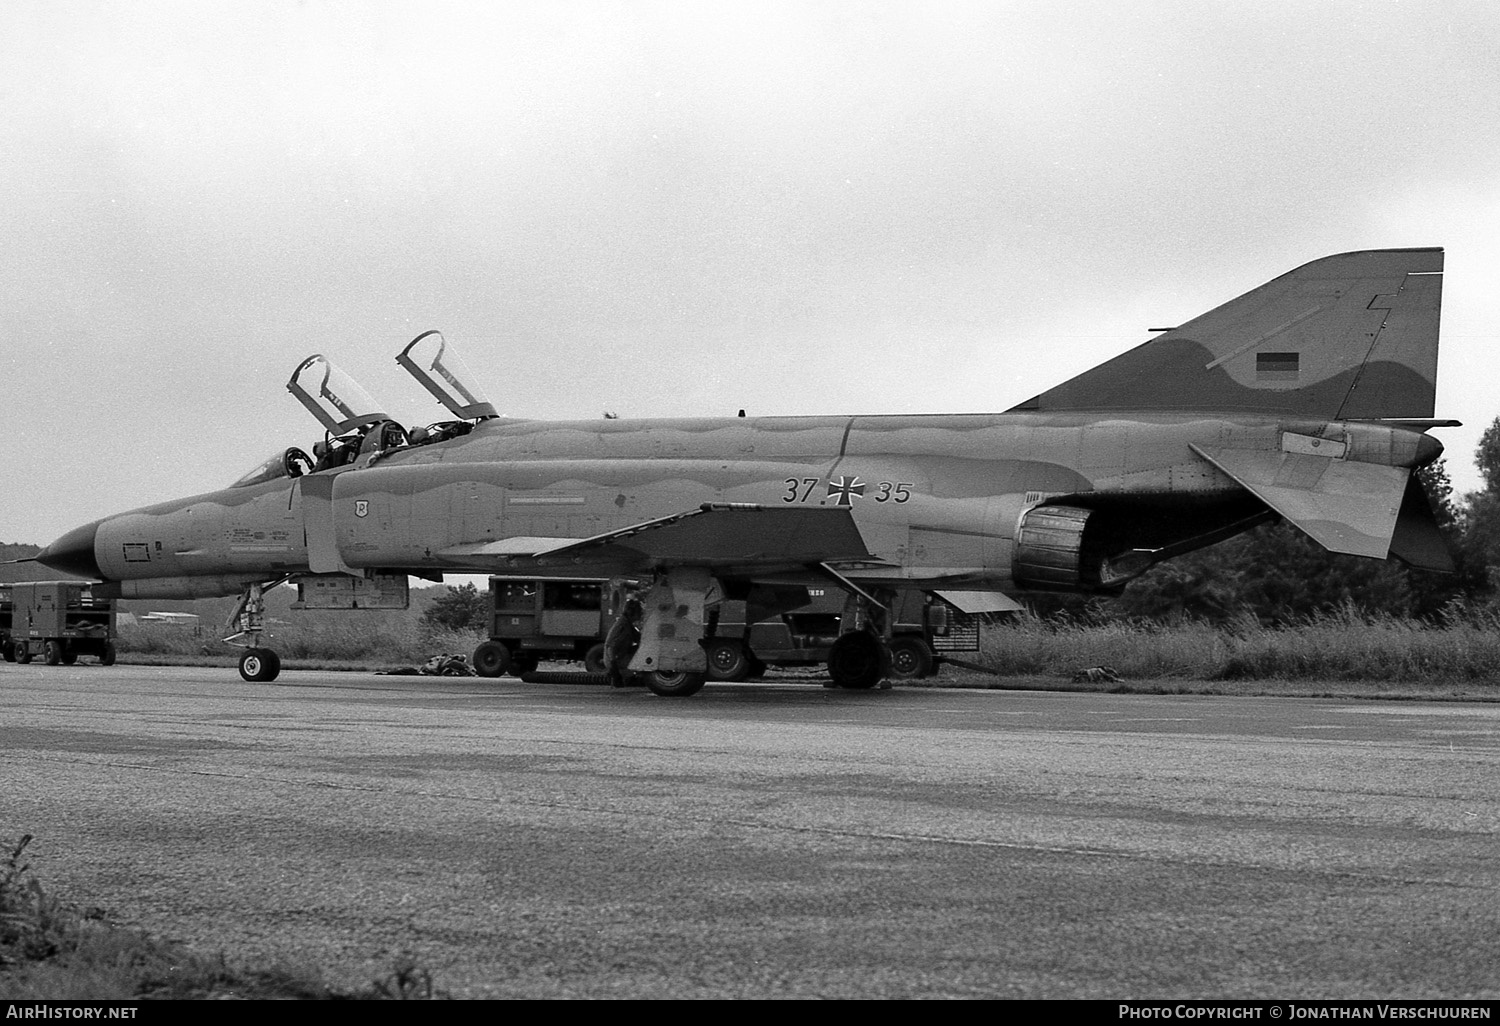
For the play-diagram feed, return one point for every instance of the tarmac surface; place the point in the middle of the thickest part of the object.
(769, 839)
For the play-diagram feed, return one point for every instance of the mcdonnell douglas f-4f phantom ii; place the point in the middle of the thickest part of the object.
(1307, 398)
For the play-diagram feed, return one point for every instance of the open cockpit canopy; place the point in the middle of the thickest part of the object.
(439, 369)
(332, 396)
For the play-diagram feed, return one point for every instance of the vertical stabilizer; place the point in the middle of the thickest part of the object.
(1347, 337)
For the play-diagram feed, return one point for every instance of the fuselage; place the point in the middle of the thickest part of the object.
(939, 499)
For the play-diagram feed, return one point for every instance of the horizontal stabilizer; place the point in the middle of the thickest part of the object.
(1418, 542)
(1342, 505)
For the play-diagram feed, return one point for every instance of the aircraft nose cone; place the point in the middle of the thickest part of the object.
(73, 553)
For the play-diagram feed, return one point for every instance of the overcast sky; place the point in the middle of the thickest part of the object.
(666, 209)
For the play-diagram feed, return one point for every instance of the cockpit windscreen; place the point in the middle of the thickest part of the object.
(285, 463)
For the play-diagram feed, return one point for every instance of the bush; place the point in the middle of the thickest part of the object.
(463, 608)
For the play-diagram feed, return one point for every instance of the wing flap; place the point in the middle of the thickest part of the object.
(1343, 505)
(981, 601)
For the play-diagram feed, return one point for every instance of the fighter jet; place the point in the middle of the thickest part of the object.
(1307, 399)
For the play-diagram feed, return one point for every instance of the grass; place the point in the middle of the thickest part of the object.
(50, 950)
(308, 644)
(1344, 646)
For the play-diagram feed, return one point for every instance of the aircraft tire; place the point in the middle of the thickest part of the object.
(107, 657)
(54, 654)
(674, 684)
(594, 660)
(911, 658)
(491, 659)
(259, 665)
(727, 660)
(858, 660)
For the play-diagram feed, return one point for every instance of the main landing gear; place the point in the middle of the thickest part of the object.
(246, 625)
(674, 683)
(859, 660)
(670, 659)
(869, 650)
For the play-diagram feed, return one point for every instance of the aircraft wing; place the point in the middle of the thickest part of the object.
(1343, 505)
(725, 536)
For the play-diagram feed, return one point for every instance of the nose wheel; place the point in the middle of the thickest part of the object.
(259, 664)
(247, 622)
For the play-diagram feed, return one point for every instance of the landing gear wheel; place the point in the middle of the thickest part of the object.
(252, 666)
(259, 665)
(674, 684)
(107, 657)
(858, 660)
(491, 659)
(727, 660)
(594, 659)
(524, 663)
(910, 658)
(54, 654)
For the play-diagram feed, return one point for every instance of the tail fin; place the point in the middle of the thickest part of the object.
(1347, 337)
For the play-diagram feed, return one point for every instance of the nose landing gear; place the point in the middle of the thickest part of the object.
(246, 625)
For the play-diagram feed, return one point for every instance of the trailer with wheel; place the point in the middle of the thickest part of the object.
(58, 621)
(532, 620)
(923, 630)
